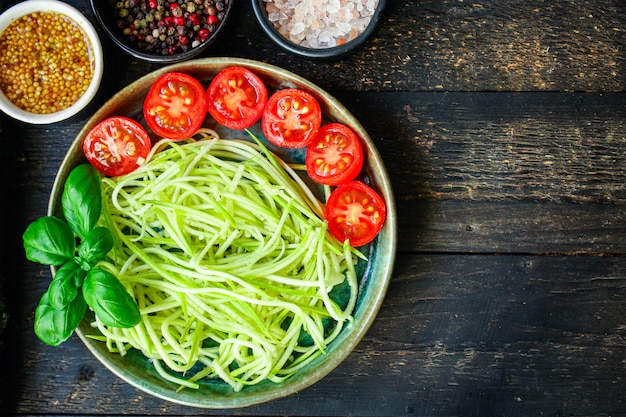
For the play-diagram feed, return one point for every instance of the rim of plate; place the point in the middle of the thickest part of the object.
(375, 288)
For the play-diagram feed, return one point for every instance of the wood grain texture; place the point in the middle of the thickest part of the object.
(471, 172)
(457, 335)
(501, 124)
(456, 45)
(450, 45)
(476, 146)
(515, 45)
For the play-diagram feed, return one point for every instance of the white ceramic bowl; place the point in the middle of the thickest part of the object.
(27, 7)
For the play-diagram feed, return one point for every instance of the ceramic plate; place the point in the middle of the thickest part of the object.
(134, 368)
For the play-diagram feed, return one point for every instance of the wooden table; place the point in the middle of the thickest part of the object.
(503, 127)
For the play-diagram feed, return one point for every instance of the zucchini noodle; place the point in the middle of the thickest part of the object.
(225, 250)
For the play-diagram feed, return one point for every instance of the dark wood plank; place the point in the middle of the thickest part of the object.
(472, 172)
(477, 146)
(509, 289)
(457, 335)
(505, 45)
(479, 46)
(450, 45)
(454, 45)
(503, 172)
(511, 227)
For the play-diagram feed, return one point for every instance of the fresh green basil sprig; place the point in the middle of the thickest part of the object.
(76, 245)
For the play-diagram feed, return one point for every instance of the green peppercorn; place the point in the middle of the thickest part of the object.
(151, 18)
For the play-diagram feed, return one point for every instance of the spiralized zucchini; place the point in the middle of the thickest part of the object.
(225, 250)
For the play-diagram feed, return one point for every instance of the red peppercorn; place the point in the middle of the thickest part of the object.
(203, 33)
(184, 26)
(194, 18)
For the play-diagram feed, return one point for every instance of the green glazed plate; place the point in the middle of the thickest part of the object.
(136, 369)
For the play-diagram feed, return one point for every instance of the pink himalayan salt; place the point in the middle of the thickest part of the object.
(320, 23)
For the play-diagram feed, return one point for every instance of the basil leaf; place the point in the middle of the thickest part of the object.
(97, 243)
(49, 241)
(53, 326)
(65, 286)
(108, 298)
(81, 199)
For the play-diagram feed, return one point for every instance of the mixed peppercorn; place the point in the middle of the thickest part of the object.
(168, 27)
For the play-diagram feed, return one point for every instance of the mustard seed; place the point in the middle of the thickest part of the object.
(46, 62)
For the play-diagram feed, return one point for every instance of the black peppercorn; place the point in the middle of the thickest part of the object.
(168, 26)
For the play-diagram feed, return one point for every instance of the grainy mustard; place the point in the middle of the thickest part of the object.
(46, 62)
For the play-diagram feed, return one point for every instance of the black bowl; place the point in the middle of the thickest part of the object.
(104, 12)
(260, 11)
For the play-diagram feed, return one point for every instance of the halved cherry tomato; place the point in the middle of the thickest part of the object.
(236, 97)
(175, 106)
(117, 145)
(335, 156)
(292, 118)
(355, 211)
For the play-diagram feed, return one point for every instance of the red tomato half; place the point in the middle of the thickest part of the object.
(355, 211)
(117, 145)
(236, 98)
(292, 118)
(175, 106)
(335, 156)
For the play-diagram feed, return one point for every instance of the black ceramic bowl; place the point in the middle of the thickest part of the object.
(104, 11)
(316, 53)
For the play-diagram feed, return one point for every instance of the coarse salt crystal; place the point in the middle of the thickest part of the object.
(273, 17)
(315, 25)
(333, 6)
(344, 27)
(320, 23)
(297, 28)
(324, 36)
(343, 15)
(300, 11)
